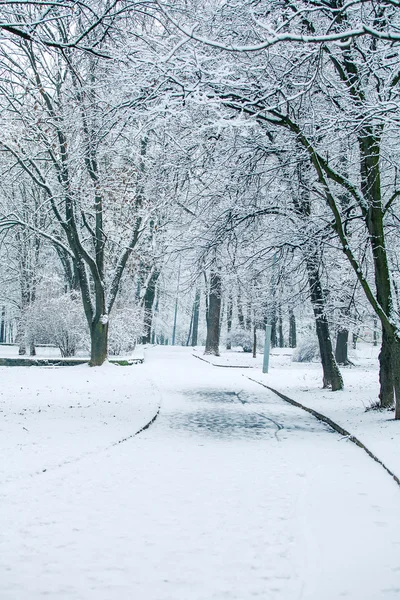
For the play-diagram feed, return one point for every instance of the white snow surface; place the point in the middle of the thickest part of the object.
(349, 408)
(230, 495)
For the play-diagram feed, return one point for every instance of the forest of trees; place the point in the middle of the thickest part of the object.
(188, 172)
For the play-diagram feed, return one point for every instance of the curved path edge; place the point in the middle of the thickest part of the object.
(129, 437)
(323, 418)
(83, 456)
(335, 426)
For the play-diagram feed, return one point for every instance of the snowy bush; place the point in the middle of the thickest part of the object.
(240, 337)
(307, 350)
(126, 326)
(59, 321)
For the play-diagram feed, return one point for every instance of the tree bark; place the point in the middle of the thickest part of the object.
(99, 343)
(280, 330)
(274, 333)
(229, 313)
(292, 330)
(214, 312)
(3, 325)
(341, 350)
(369, 144)
(331, 373)
(240, 311)
(190, 328)
(375, 332)
(148, 302)
(386, 374)
(196, 314)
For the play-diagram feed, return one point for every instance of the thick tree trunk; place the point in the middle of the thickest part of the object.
(196, 314)
(214, 312)
(341, 350)
(292, 330)
(98, 342)
(331, 373)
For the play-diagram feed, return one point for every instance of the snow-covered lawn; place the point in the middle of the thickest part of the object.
(51, 416)
(231, 494)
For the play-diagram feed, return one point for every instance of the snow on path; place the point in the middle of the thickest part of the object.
(230, 495)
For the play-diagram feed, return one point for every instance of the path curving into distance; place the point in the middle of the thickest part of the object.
(231, 494)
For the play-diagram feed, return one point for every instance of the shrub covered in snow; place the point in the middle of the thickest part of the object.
(240, 337)
(307, 350)
(59, 321)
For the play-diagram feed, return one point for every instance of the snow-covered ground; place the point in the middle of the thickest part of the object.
(52, 416)
(230, 494)
(348, 408)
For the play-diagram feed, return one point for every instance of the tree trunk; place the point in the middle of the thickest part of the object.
(254, 341)
(386, 374)
(341, 350)
(196, 314)
(331, 373)
(280, 330)
(375, 332)
(190, 328)
(396, 375)
(292, 330)
(148, 302)
(214, 312)
(274, 334)
(371, 187)
(175, 322)
(229, 312)
(98, 342)
(21, 338)
(3, 325)
(240, 311)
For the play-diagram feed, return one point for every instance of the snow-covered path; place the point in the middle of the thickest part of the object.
(231, 494)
